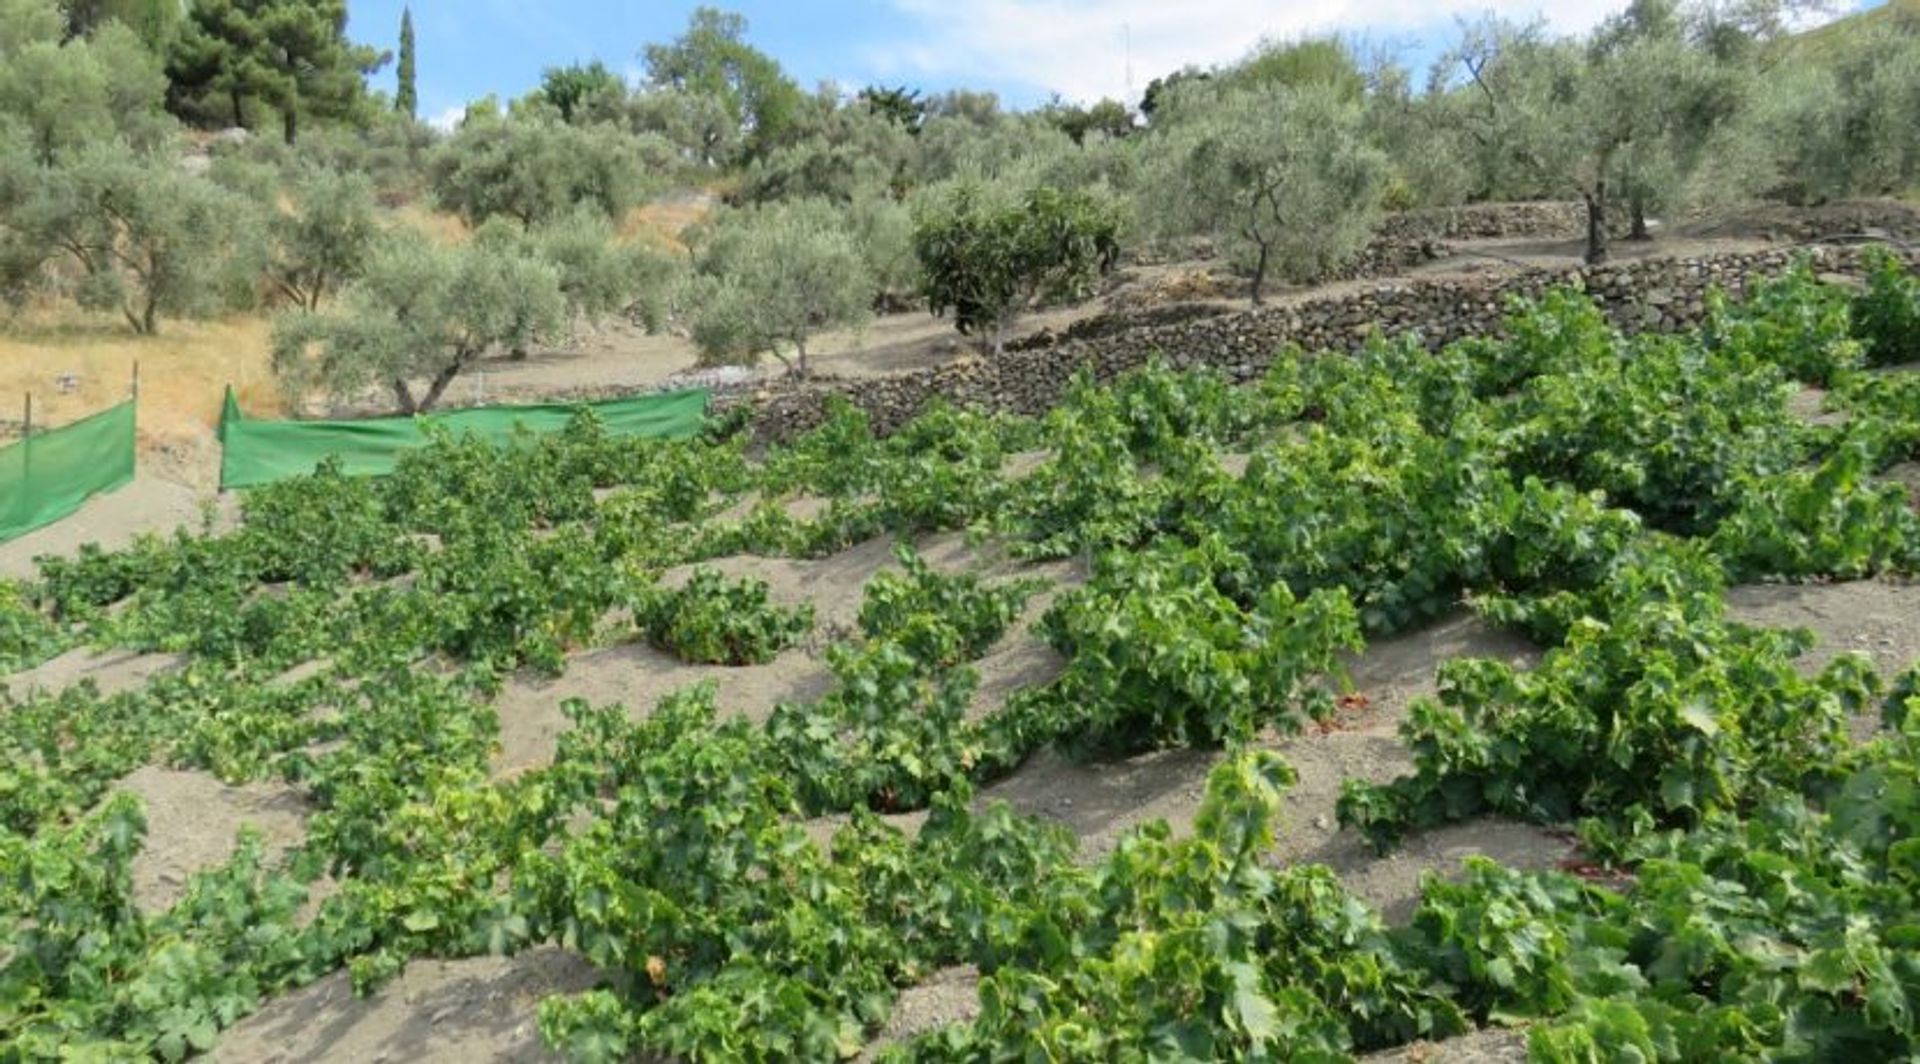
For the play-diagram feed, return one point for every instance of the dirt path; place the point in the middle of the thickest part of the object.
(111, 671)
(193, 824)
(435, 1012)
(151, 504)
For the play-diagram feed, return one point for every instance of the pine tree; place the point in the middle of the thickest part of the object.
(406, 99)
(293, 54)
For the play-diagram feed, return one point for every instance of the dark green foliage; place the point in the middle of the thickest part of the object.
(1160, 656)
(987, 254)
(720, 622)
(1886, 317)
(291, 54)
(1655, 711)
(1762, 862)
(406, 94)
(940, 619)
(1791, 321)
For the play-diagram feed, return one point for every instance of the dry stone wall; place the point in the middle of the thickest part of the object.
(1649, 295)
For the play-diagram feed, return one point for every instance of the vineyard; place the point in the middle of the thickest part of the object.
(1165, 569)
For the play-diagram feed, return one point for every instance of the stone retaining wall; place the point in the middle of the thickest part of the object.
(1653, 294)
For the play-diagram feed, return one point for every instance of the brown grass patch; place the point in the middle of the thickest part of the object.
(441, 226)
(183, 371)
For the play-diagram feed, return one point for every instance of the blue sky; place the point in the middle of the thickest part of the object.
(1023, 49)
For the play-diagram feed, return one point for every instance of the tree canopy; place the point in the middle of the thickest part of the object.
(988, 253)
(417, 317)
(1281, 177)
(770, 279)
(292, 54)
(712, 59)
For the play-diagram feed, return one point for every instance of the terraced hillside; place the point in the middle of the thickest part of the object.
(1553, 694)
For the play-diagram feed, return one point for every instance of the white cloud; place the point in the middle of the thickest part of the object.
(1081, 48)
(447, 120)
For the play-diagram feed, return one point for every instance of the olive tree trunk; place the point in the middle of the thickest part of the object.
(1596, 198)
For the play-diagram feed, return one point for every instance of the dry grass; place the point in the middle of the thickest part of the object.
(183, 371)
(441, 226)
(662, 222)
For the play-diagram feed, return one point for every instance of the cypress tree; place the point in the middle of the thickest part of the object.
(406, 99)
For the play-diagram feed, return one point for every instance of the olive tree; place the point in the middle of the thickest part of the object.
(533, 168)
(1840, 117)
(146, 239)
(419, 315)
(1624, 116)
(598, 275)
(713, 60)
(1282, 177)
(848, 151)
(882, 228)
(770, 279)
(61, 96)
(322, 236)
(988, 253)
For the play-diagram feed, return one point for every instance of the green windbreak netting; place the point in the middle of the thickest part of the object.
(260, 452)
(48, 475)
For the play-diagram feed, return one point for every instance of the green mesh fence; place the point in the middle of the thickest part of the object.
(261, 452)
(49, 474)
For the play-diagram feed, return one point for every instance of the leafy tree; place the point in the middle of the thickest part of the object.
(699, 127)
(995, 147)
(570, 88)
(148, 239)
(851, 151)
(323, 237)
(1323, 62)
(406, 95)
(772, 278)
(23, 22)
(598, 276)
(421, 312)
(987, 254)
(155, 21)
(1108, 118)
(533, 168)
(901, 106)
(1160, 89)
(294, 54)
(713, 59)
(62, 97)
(882, 228)
(1689, 82)
(1429, 162)
(1839, 112)
(1629, 113)
(1282, 177)
(1553, 109)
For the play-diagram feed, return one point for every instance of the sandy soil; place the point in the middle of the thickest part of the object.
(153, 503)
(112, 671)
(1879, 618)
(949, 996)
(1102, 801)
(833, 584)
(638, 676)
(193, 821)
(1491, 1046)
(435, 1012)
